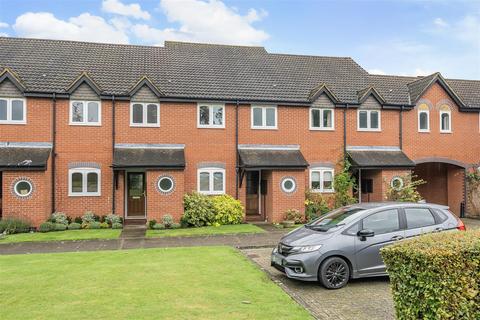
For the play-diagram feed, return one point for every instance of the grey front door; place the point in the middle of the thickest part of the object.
(386, 225)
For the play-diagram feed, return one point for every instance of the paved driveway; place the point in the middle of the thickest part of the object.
(360, 299)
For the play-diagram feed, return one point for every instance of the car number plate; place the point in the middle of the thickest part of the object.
(277, 260)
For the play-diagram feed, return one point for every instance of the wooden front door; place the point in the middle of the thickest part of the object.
(135, 194)
(253, 183)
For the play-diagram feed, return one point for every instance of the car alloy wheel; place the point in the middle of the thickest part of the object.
(334, 273)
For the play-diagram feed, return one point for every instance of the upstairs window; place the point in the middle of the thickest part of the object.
(85, 113)
(368, 120)
(211, 181)
(264, 117)
(144, 114)
(321, 179)
(445, 120)
(321, 119)
(12, 111)
(84, 182)
(211, 115)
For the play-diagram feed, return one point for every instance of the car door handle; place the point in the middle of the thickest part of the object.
(438, 229)
(396, 238)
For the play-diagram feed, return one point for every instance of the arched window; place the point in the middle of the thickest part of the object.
(423, 118)
(445, 119)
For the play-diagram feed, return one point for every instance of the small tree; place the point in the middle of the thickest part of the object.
(406, 191)
(315, 205)
(344, 184)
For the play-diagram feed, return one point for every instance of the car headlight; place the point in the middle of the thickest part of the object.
(304, 249)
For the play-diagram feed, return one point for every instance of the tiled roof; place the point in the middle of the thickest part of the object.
(203, 71)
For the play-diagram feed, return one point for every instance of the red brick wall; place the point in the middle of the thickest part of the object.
(159, 204)
(281, 201)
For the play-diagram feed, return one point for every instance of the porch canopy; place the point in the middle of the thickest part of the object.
(128, 156)
(378, 158)
(24, 156)
(271, 157)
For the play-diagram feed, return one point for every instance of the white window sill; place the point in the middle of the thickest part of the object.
(264, 128)
(446, 131)
(139, 125)
(322, 191)
(13, 122)
(210, 127)
(212, 193)
(85, 124)
(84, 194)
(424, 131)
(321, 129)
(369, 130)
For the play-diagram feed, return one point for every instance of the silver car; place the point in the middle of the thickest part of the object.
(346, 242)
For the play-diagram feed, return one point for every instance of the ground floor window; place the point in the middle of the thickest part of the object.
(84, 182)
(211, 180)
(23, 188)
(321, 179)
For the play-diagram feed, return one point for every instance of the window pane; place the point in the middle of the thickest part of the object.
(315, 118)
(77, 182)
(77, 111)
(93, 112)
(137, 113)
(218, 181)
(270, 116)
(92, 182)
(152, 113)
(23, 188)
(362, 119)
(417, 218)
(204, 181)
(218, 115)
(17, 110)
(327, 180)
(3, 109)
(315, 183)
(382, 222)
(204, 115)
(423, 121)
(165, 184)
(257, 117)
(374, 119)
(327, 118)
(445, 121)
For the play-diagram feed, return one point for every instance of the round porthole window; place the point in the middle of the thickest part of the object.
(23, 188)
(288, 185)
(165, 184)
(396, 183)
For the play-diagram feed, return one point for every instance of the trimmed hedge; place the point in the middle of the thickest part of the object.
(436, 276)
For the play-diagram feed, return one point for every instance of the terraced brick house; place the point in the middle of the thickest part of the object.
(129, 129)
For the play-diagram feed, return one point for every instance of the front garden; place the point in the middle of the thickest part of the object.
(173, 283)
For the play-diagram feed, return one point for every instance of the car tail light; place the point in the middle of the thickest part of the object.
(461, 225)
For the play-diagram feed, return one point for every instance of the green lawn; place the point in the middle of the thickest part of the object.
(63, 235)
(171, 283)
(205, 231)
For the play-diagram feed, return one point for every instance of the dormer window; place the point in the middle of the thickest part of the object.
(85, 113)
(12, 111)
(321, 119)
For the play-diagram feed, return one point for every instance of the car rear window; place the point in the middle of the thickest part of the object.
(419, 217)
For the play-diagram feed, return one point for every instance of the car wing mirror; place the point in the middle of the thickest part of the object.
(363, 234)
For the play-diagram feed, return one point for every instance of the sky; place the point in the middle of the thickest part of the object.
(385, 37)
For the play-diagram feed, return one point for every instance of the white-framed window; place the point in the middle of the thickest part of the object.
(288, 185)
(144, 114)
(322, 119)
(264, 117)
(87, 113)
(23, 188)
(13, 111)
(445, 121)
(424, 120)
(321, 179)
(165, 184)
(368, 120)
(211, 180)
(210, 115)
(84, 182)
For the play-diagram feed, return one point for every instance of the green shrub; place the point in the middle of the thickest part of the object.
(167, 220)
(406, 192)
(294, 215)
(198, 209)
(60, 227)
(343, 184)
(436, 276)
(46, 227)
(113, 218)
(88, 217)
(117, 226)
(94, 225)
(151, 223)
(158, 226)
(78, 220)
(74, 226)
(11, 226)
(176, 226)
(227, 210)
(315, 205)
(104, 225)
(59, 217)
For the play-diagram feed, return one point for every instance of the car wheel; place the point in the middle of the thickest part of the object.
(334, 273)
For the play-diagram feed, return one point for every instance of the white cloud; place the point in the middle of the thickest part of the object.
(3, 25)
(3, 34)
(129, 10)
(85, 27)
(204, 21)
(468, 29)
(377, 71)
(439, 22)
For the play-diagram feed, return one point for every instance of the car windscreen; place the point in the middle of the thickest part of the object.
(335, 218)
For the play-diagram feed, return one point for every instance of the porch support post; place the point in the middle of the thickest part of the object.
(359, 185)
